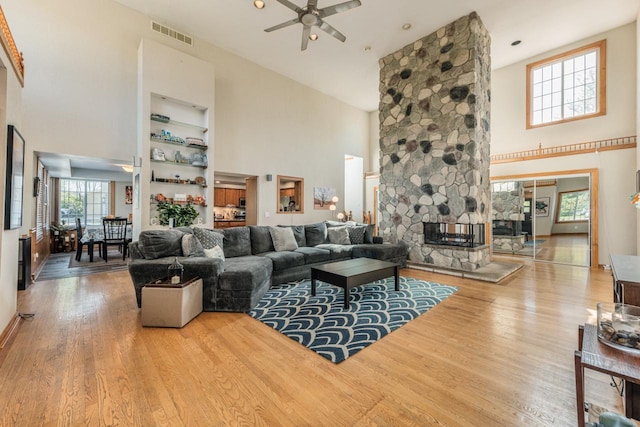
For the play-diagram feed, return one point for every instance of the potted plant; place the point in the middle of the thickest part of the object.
(183, 215)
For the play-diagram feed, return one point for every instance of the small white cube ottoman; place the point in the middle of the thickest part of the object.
(171, 306)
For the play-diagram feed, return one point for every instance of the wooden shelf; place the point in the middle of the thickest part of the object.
(178, 183)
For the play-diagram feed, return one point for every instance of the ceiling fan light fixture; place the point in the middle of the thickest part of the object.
(313, 37)
(259, 4)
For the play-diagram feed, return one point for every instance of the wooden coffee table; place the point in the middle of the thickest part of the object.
(353, 272)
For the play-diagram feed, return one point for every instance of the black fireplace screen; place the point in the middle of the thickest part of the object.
(464, 235)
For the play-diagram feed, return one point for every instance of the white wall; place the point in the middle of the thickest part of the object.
(10, 113)
(374, 142)
(508, 100)
(617, 219)
(122, 209)
(82, 100)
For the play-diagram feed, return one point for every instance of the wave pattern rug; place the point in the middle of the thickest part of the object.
(322, 324)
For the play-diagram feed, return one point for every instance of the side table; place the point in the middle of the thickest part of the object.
(171, 305)
(600, 357)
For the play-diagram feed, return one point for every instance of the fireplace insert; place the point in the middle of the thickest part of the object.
(464, 235)
(506, 228)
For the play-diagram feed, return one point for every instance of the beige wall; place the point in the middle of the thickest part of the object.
(82, 101)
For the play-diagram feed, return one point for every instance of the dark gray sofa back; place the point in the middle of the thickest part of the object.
(237, 241)
(261, 241)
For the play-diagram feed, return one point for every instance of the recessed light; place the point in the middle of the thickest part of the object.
(259, 4)
(406, 26)
(313, 37)
(516, 42)
(367, 48)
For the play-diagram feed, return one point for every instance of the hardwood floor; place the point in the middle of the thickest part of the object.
(490, 355)
(571, 249)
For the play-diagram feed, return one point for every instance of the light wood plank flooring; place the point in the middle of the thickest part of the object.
(490, 355)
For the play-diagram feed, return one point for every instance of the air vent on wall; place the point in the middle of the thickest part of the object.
(170, 32)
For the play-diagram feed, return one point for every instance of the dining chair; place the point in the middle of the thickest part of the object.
(115, 234)
(79, 244)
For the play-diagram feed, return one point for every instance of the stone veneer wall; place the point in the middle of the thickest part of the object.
(434, 138)
(508, 205)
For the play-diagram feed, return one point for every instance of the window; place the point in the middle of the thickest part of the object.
(503, 186)
(573, 206)
(569, 86)
(84, 199)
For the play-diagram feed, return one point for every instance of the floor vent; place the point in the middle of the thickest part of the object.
(170, 32)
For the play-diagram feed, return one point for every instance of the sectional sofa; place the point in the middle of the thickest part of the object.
(239, 264)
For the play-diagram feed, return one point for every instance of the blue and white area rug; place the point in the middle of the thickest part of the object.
(322, 324)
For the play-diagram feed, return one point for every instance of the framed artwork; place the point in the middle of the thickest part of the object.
(14, 180)
(322, 197)
(128, 194)
(542, 206)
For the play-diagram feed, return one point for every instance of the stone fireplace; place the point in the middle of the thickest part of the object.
(434, 142)
(507, 214)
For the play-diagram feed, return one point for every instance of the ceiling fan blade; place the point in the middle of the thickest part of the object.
(283, 25)
(337, 8)
(305, 37)
(332, 31)
(290, 5)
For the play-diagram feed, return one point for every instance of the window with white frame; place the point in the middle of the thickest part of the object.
(503, 186)
(566, 87)
(84, 199)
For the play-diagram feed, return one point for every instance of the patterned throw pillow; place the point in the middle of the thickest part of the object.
(339, 235)
(356, 234)
(208, 237)
(214, 252)
(283, 239)
(191, 246)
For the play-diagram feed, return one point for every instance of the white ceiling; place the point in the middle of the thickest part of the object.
(349, 73)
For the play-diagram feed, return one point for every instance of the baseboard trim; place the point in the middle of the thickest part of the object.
(10, 330)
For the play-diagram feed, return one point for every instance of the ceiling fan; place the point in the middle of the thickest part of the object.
(311, 16)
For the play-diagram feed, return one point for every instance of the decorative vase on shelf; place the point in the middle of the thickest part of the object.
(178, 158)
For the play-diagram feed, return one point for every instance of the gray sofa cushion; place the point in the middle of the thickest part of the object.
(237, 242)
(244, 273)
(337, 251)
(314, 255)
(338, 235)
(284, 260)
(298, 233)
(380, 251)
(209, 237)
(283, 239)
(154, 244)
(191, 246)
(260, 239)
(368, 233)
(316, 234)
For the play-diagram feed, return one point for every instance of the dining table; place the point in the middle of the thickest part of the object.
(95, 235)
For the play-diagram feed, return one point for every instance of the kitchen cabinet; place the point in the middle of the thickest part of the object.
(228, 224)
(227, 196)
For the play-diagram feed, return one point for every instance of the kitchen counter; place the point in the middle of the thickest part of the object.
(226, 223)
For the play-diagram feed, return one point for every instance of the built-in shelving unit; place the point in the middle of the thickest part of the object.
(175, 115)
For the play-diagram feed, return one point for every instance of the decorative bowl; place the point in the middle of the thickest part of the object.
(619, 325)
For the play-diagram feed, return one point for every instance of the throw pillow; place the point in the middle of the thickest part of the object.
(368, 232)
(208, 237)
(237, 241)
(339, 235)
(315, 234)
(283, 239)
(298, 233)
(356, 234)
(154, 244)
(191, 246)
(260, 239)
(214, 252)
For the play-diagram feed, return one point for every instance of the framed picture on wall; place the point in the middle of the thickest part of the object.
(128, 194)
(542, 206)
(14, 180)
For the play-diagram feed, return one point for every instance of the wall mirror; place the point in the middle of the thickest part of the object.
(290, 194)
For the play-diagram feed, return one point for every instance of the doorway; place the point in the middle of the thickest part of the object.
(550, 217)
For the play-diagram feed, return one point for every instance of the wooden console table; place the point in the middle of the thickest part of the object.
(600, 357)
